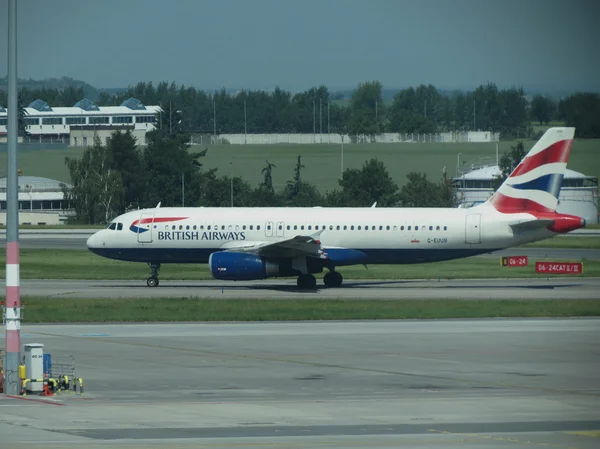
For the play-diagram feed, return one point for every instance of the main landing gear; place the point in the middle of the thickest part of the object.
(308, 282)
(152, 281)
(333, 279)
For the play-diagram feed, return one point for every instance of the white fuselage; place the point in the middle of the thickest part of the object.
(381, 235)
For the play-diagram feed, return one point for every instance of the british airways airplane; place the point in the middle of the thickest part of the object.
(258, 243)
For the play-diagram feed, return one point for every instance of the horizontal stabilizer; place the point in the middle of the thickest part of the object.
(531, 225)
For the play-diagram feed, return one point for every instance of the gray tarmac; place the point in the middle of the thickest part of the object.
(552, 288)
(425, 384)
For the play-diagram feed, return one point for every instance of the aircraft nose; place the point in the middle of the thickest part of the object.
(94, 241)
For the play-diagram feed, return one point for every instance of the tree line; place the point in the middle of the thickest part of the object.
(421, 109)
(110, 179)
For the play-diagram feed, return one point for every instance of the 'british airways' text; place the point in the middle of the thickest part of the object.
(191, 235)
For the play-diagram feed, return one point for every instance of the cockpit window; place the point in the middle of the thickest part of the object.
(119, 226)
(112, 226)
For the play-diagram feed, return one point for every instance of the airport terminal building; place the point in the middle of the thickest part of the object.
(77, 125)
(578, 195)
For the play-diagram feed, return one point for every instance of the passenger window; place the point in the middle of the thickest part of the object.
(237, 227)
(194, 227)
(316, 227)
(243, 227)
(381, 228)
(409, 228)
(358, 228)
(269, 227)
(288, 227)
(366, 228)
(208, 227)
(180, 227)
(352, 228)
(119, 226)
(230, 227)
(431, 228)
(222, 227)
(387, 228)
(416, 228)
(445, 227)
(302, 227)
(437, 228)
(280, 227)
(309, 227)
(395, 227)
(295, 227)
(251, 227)
(258, 227)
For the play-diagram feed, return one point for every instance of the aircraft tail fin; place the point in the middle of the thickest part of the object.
(534, 186)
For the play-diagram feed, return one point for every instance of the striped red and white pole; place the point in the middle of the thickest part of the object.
(13, 307)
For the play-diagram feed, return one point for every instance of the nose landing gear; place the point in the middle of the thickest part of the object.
(152, 281)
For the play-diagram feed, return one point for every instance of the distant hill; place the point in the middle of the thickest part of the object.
(55, 83)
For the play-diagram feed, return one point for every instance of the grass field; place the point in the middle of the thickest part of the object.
(74, 264)
(322, 162)
(40, 310)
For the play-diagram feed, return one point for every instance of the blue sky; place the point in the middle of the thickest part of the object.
(297, 44)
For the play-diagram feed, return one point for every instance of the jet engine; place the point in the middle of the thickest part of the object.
(232, 266)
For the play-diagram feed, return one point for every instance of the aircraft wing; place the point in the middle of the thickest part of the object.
(300, 245)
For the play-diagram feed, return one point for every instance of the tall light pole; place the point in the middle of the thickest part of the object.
(13, 296)
(328, 122)
(457, 163)
(182, 189)
(245, 125)
(314, 122)
(214, 121)
(321, 119)
(231, 181)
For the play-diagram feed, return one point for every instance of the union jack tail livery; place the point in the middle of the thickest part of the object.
(535, 184)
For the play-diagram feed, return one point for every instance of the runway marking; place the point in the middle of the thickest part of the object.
(328, 365)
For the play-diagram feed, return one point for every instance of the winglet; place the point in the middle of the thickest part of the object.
(158, 205)
(374, 204)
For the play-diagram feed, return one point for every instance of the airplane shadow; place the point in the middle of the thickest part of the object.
(293, 289)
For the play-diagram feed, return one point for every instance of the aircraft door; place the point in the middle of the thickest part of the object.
(269, 229)
(144, 228)
(280, 228)
(473, 228)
